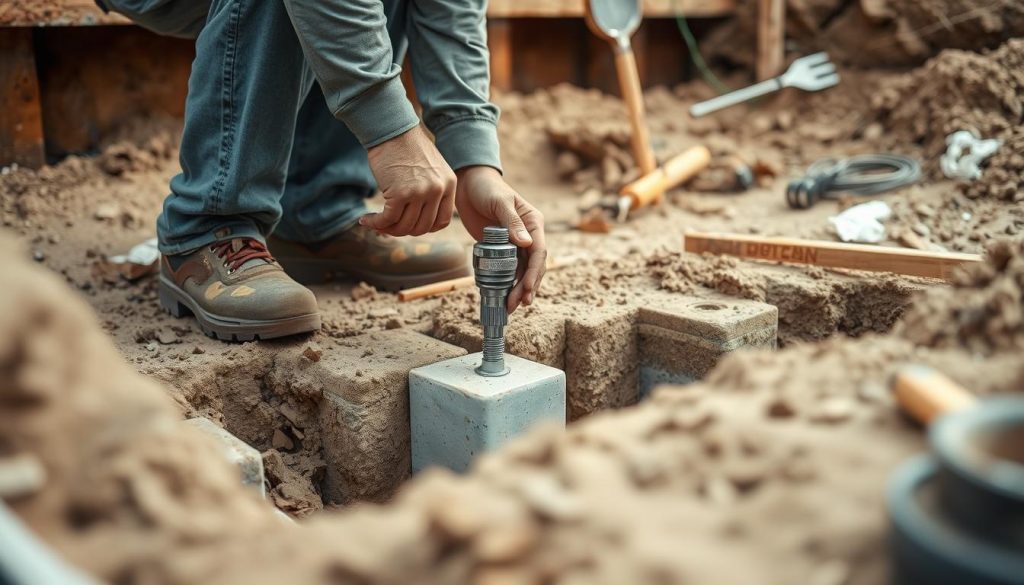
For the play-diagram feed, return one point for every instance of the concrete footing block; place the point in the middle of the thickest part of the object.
(682, 339)
(364, 414)
(246, 458)
(456, 414)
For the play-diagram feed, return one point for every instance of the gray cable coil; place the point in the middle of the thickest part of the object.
(865, 174)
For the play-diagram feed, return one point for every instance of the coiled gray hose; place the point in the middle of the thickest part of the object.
(865, 174)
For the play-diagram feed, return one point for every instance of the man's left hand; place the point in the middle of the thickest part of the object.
(483, 198)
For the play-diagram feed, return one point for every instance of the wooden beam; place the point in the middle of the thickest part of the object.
(499, 41)
(574, 8)
(21, 115)
(939, 265)
(771, 38)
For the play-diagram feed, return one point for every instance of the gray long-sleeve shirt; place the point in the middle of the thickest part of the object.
(349, 49)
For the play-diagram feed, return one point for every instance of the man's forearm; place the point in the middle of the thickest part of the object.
(450, 67)
(347, 45)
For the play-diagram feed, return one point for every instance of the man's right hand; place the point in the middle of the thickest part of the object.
(417, 184)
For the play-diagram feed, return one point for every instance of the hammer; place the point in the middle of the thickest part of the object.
(652, 187)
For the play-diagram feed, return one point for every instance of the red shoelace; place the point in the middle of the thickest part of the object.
(238, 251)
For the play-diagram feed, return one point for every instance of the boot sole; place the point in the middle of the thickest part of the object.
(321, 271)
(179, 304)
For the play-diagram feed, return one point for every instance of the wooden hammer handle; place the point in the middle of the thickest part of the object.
(679, 169)
(926, 394)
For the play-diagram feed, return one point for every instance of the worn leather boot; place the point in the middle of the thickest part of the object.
(237, 292)
(385, 262)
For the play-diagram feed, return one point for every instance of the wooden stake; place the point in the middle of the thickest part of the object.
(446, 286)
(21, 115)
(771, 38)
(832, 254)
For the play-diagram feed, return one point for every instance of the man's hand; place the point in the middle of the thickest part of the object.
(484, 199)
(417, 184)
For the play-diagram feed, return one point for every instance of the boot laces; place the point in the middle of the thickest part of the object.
(238, 251)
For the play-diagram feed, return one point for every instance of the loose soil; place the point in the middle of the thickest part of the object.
(775, 455)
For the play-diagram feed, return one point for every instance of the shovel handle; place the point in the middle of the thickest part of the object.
(629, 83)
(735, 97)
(926, 394)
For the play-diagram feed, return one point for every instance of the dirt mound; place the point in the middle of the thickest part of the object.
(983, 312)
(960, 90)
(128, 487)
(876, 33)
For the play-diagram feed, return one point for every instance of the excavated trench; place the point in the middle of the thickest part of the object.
(331, 422)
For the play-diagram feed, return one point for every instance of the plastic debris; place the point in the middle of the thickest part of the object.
(862, 223)
(965, 151)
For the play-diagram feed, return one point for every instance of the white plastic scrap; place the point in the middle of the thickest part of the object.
(862, 223)
(965, 151)
(143, 254)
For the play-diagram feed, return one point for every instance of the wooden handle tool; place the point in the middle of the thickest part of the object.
(632, 94)
(926, 394)
(652, 187)
(939, 265)
(615, 21)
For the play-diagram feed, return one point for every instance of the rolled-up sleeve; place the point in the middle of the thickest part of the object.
(346, 44)
(450, 68)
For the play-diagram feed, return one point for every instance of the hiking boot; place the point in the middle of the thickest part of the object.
(237, 292)
(385, 262)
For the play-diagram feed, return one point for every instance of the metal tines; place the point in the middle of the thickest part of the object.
(811, 73)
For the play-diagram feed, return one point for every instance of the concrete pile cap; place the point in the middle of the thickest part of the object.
(716, 320)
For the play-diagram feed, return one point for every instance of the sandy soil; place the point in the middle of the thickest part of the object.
(756, 461)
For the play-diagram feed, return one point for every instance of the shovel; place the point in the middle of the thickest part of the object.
(615, 21)
(811, 73)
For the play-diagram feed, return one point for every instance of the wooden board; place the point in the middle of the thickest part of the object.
(95, 79)
(21, 117)
(939, 265)
(574, 8)
(86, 13)
(771, 38)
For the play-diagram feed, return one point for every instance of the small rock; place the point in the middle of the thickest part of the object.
(381, 313)
(780, 407)
(745, 474)
(921, 230)
(167, 337)
(312, 354)
(290, 413)
(282, 441)
(833, 411)
(198, 350)
(393, 323)
(38, 255)
(363, 291)
(106, 211)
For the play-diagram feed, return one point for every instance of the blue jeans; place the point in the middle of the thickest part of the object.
(260, 153)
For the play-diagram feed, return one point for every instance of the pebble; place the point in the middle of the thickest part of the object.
(312, 354)
(780, 407)
(38, 255)
(833, 411)
(282, 441)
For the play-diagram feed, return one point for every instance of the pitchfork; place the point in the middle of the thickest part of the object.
(811, 73)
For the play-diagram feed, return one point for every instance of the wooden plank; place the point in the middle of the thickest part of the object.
(93, 80)
(499, 41)
(939, 265)
(771, 38)
(574, 8)
(21, 115)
